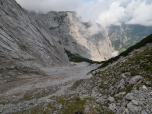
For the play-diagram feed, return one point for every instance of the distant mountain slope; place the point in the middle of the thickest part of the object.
(124, 36)
(76, 36)
(140, 44)
(24, 42)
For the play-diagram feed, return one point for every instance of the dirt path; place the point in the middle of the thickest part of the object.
(21, 92)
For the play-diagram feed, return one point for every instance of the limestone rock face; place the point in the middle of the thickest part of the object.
(76, 36)
(24, 41)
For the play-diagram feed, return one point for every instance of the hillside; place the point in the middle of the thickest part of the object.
(125, 36)
(124, 86)
(25, 44)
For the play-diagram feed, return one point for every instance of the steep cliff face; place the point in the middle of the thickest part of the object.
(76, 36)
(124, 36)
(25, 42)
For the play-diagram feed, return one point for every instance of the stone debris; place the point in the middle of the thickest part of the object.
(144, 87)
(135, 80)
(111, 99)
(130, 96)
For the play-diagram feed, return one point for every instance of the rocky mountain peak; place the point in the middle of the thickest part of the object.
(76, 36)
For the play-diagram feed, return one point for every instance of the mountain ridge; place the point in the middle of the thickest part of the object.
(76, 36)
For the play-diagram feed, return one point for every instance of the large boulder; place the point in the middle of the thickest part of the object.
(135, 80)
(129, 96)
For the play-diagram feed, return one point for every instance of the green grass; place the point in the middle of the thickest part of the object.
(68, 105)
(77, 58)
(122, 50)
(72, 105)
(39, 109)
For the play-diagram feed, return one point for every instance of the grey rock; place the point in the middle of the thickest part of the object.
(126, 110)
(118, 104)
(111, 99)
(121, 94)
(76, 36)
(135, 102)
(121, 84)
(129, 96)
(123, 75)
(133, 108)
(143, 112)
(135, 80)
(112, 106)
(144, 87)
(111, 88)
(2, 82)
(127, 73)
(150, 94)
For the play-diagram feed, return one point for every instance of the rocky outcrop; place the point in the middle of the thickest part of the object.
(24, 42)
(76, 36)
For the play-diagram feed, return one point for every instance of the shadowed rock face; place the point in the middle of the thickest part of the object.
(76, 36)
(25, 42)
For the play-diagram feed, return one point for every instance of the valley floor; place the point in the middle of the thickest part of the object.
(22, 92)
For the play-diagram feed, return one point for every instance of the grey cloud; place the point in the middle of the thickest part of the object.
(45, 6)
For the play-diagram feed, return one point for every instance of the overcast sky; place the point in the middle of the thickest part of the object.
(105, 12)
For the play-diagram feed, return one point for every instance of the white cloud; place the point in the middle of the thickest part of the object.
(141, 13)
(115, 53)
(105, 12)
(112, 16)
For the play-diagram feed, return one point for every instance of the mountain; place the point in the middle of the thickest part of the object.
(77, 37)
(120, 85)
(36, 76)
(25, 44)
(125, 36)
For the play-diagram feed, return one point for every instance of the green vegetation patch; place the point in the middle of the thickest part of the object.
(70, 106)
(67, 104)
(125, 53)
(122, 50)
(77, 58)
